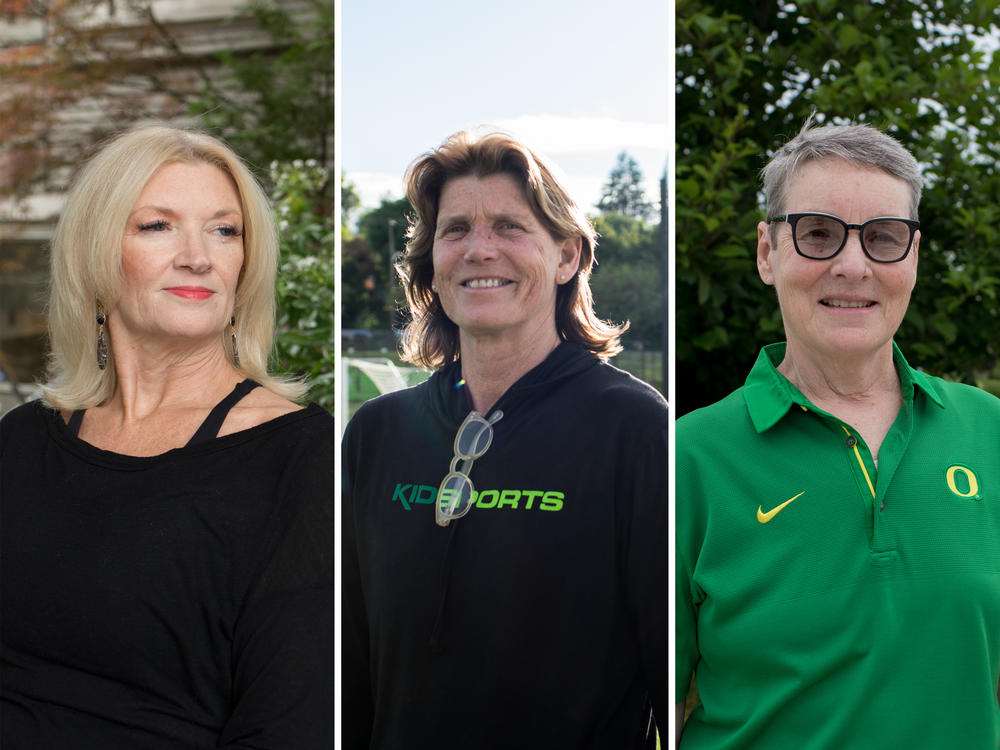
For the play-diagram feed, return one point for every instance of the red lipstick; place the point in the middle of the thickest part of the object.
(191, 292)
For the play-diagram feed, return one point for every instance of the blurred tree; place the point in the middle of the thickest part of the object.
(91, 68)
(78, 71)
(276, 103)
(363, 279)
(623, 193)
(373, 296)
(626, 281)
(304, 342)
(747, 76)
(350, 202)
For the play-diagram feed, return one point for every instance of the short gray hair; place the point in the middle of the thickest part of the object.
(862, 145)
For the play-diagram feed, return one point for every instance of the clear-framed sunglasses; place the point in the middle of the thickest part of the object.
(454, 496)
(886, 239)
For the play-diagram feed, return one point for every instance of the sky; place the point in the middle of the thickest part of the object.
(578, 81)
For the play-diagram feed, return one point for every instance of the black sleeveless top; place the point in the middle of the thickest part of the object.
(208, 430)
(183, 600)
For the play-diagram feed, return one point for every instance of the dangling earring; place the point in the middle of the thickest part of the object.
(102, 343)
(232, 327)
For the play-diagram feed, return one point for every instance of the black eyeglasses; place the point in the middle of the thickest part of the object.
(454, 497)
(886, 239)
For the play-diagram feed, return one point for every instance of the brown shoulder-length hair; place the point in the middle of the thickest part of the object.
(430, 339)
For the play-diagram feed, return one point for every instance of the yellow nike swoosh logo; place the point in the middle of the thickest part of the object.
(765, 517)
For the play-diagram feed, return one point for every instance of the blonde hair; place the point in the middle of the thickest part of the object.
(86, 262)
(430, 339)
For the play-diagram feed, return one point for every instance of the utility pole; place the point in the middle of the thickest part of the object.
(391, 277)
(664, 280)
(392, 253)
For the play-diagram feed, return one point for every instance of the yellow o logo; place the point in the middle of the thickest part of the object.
(970, 480)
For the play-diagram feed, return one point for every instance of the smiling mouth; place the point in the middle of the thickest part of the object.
(485, 283)
(843, 303)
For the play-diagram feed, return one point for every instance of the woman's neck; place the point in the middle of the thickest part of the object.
(492, 365)
(842, 378)
(865, 393)
(149, 382)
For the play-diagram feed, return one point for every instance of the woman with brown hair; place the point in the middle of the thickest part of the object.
(504, 522)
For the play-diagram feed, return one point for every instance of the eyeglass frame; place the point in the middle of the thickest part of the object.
(441, 518)
(792, 219)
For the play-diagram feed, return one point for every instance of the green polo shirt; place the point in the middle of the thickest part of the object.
(824, 602)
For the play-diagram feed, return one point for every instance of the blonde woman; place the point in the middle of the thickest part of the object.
(165, 514)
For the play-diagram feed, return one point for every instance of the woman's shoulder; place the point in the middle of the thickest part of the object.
(301, 440)
(725, 410)
(618, 400)
(964, 396)
(24, 428)
(26, 415)
(628, 391)
(389, 405)
(258, 407)
(717, 427)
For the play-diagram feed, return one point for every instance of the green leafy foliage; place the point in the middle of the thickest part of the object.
(747, 76)
(274, 106)
(373, 296)
(276, 102)
(627, 282)
(305, 286)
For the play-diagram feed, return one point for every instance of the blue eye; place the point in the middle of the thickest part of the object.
(227, 230)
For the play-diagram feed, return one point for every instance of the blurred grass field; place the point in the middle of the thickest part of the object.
(646, 365)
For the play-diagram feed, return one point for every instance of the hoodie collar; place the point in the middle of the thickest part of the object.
(451, 400)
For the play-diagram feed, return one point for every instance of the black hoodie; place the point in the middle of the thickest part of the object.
(538, 620)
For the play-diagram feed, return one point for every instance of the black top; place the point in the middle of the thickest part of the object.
(177, 601)
(538, 620)
(209, 428)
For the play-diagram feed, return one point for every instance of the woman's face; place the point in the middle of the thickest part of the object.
(849, 304)
(496, 267)
(182, 252)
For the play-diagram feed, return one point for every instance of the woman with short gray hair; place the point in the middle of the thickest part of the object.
(838, 517)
